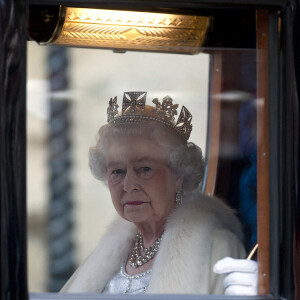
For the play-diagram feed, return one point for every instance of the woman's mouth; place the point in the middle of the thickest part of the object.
(134, 203)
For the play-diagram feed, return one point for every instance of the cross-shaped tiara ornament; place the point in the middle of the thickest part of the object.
(133, 110)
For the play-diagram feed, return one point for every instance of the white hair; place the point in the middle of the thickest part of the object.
(184, 158)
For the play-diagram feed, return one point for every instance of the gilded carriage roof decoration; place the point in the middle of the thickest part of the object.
(124, 30)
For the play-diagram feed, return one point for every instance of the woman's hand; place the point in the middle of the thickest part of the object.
(241, 278)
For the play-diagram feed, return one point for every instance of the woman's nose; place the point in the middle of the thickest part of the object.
(130, 182)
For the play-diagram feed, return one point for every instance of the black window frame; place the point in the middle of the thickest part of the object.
(283, 121)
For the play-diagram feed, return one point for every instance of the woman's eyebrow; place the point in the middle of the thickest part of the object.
(113, 164)
(117, 163)
(143, 159)
(148, 160)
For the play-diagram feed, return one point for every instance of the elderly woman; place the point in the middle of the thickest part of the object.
(168, 235)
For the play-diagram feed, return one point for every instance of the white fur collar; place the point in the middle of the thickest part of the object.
(183, 254)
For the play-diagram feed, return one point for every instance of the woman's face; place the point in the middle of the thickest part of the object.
(141, 184)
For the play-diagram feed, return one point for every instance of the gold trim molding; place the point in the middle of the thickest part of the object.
(127, 30)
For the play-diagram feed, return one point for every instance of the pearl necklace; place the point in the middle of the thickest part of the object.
(141, 255)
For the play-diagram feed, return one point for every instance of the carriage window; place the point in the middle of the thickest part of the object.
(222, 102)
(68, 95)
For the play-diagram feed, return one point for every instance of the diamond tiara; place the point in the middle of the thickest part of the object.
(134, 109)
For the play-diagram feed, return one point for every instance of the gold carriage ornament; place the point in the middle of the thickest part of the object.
(134, 109)
(118, 30)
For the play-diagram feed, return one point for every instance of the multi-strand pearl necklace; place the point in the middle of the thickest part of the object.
(141, 255)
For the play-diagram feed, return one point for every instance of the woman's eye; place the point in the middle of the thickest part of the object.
(117, 172)
(145, 172)
(116, 175)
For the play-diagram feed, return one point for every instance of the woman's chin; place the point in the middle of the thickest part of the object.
(136, 213)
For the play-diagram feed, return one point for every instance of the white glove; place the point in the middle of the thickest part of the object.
(241, 278)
